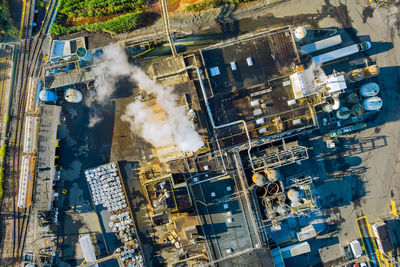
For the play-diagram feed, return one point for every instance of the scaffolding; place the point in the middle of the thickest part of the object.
(279, 159)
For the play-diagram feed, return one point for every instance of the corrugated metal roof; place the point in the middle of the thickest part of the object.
(87, 249)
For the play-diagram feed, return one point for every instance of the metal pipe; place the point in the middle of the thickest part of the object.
(210, 115)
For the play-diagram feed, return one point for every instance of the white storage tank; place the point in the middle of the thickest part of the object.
(369, 89)
(300, 33)
(372, 103)
(273, 175)
(293, 195)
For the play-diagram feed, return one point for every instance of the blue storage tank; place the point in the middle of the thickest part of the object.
(84, 54)
(48, 96)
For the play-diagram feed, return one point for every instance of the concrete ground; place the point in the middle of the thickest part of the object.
(81, 147)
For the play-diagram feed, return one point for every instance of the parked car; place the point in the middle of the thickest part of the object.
(363, 264)
(356, 248)
(347, 253)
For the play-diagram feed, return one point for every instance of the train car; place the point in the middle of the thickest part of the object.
(26, 181)
(30, 134)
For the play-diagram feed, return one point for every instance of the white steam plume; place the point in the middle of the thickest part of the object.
(174, 128)
(317, 72)
(113, 67)
(93, 120)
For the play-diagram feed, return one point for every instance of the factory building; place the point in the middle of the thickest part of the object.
(252, 98)
(46, 155)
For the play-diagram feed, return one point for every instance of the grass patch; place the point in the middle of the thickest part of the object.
(204, 5)
(212, 4)
(77, 8)
(2, 157)
(123, 23)
(2, 153)
(1, 181)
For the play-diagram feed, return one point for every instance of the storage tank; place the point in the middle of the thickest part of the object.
(273, 175)
(272, 188)
(259, 179)
(328, 108)
(293, 195)
(369, 89)
(343, 113)
(73, 95)
(48, 96)
(336, 102)
(261, 191)
(371, 71)
(355, 75)
(84, 54)
(372, 103)
(300, 33)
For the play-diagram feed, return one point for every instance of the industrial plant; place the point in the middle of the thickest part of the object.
(247, 195)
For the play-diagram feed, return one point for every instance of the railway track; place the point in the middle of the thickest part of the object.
(28, 65)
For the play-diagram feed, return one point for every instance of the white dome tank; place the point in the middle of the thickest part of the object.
(300, 33)
(273, 175)
(343, 113)
(372, 103)
(293, 195)
(328, 108)
(73, 95)
(369, 89)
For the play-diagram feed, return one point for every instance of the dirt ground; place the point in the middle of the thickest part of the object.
(179, 5)
(183, 22)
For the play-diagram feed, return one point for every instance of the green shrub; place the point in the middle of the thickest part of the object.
(204, 5)
(6, 22)
(123, 23)
(127, 21)
(79, 8)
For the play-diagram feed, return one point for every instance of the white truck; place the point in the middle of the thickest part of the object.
(342, 52)
(321, 44)
(356, 248)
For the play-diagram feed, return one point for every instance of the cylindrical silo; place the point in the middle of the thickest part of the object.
(369, 89)
(373, 103)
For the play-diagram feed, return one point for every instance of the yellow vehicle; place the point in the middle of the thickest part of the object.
(64, 191)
